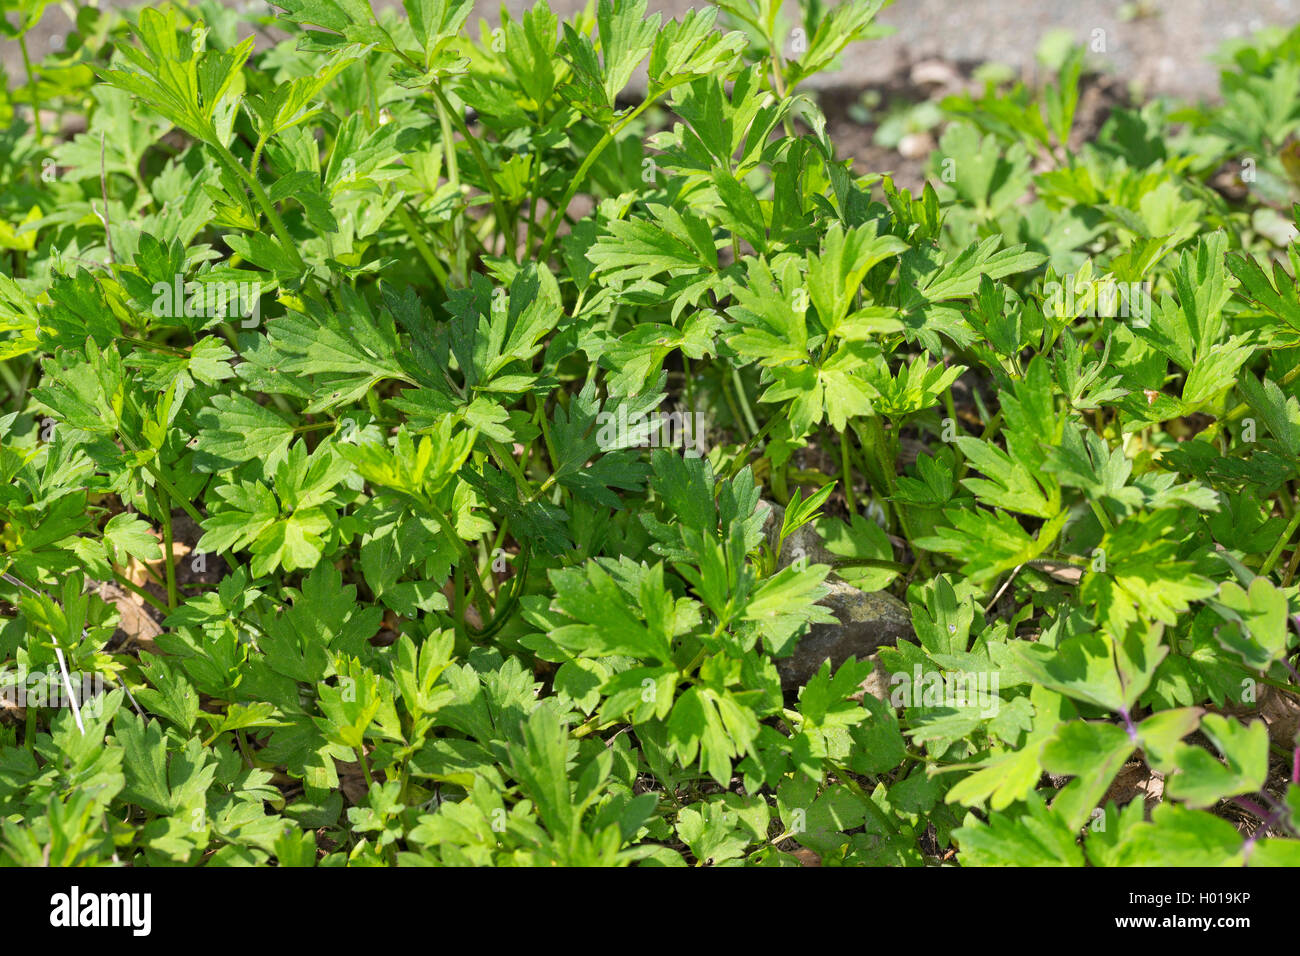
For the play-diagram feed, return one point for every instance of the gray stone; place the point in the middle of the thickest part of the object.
(864, 620)
(804, 543)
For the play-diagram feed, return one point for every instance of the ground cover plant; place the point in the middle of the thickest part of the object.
(396, 407)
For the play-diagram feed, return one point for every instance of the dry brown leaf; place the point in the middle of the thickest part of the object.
(806, 857)
(136, 624)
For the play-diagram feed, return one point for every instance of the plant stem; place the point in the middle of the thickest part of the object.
(728, 393)
(264, 203)
(1282, 540)
(869, 804)
(846, 473)
(581, 175)
(1129, 727)
(950, 406)
(590, 726)
(257, 154)
(188, 508)
(131, 586)
(545, 426)
(169, 554)
(34, 90)
(29, 730)
(688, 384)
(460, 253)
(413, 231)
(1291, 568)
(481, 600)
(743, 454)
(533, 203)
(1244, 407)
(748, 412)
(446, 112)
(156, 346)
(506, 462)
(1102, 518)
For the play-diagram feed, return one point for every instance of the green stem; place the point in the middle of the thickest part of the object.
(457, 605)
(481, 600)
(1100, 512)
(542, 489)
(846, 473)
(533, 203)
(413, 231)
(950, 406)
(688, 382)
(257, 154)
(164, 503)
(742, 456)
(728, 393)
(505, 607)
(34, 89)
(1278, 548)
(545, 425)
(314, 426)
(156, 346)
(1291, 568)
(188, 508)
(1244, 407)
(869, 804)
(460, 253)
(878, 456)
(748, 412)
(373, 105)
(778, 84)
(590, 726)
(1286, 503)
(159, 477)
(264, 203)
(506, 462)
(581, 175)
(992, 427)
(136, 589)
(446, 112)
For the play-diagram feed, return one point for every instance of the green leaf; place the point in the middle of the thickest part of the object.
(129, 534)
(234, 429)
(608, 623)
(1038, 838)
(1202, 781)
(1093, 754)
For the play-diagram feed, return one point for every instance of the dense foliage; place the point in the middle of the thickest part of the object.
(334, 455)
